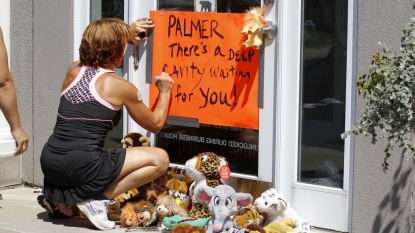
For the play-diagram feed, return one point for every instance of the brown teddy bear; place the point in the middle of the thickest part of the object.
(135, 139)
(177, 185)
(174, 173)
(114, 211)
(166, 206)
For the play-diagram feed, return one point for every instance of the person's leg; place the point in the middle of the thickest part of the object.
(54, 210)
(141, 166)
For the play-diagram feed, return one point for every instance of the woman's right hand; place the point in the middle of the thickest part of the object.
(22, 140)
(164, 82)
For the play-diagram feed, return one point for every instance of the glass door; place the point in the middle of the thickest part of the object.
(316, 70)
(85, 12)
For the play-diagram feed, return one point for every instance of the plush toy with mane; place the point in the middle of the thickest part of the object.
(254, 21)
(128, 216)
(137, 214)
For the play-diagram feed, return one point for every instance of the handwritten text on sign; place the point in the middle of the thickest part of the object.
(216, 80)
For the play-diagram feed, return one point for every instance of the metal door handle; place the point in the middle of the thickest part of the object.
(269, 32)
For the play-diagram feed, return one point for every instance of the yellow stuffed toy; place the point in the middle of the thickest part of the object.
(254, 21)
(123, 197)
(245, 216)
(284, 226)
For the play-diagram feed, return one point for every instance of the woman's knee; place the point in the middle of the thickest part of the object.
(162, 159)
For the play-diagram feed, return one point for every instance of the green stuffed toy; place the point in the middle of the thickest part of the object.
(171, 222)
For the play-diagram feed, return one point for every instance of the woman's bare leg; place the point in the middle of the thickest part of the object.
(141, 165)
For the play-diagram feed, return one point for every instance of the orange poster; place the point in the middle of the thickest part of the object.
(215, 79)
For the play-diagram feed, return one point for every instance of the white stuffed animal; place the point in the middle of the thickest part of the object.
(277, 208)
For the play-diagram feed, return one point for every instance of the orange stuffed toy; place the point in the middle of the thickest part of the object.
(254, 21)
(137, 214)
(187, 228)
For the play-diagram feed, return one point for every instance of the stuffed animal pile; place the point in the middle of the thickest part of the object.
(195, 199)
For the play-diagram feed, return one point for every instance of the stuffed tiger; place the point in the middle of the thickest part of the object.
(277, 208)
(245, 216)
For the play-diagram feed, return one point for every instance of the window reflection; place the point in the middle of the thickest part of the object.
(110, 9)
(233, 6)
(323, 92)
(239, 146)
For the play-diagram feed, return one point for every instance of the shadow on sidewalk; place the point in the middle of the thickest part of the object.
(68, 222)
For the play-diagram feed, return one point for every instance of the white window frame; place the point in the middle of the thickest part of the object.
(288, 100)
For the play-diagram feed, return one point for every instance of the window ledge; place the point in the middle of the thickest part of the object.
(7, 144)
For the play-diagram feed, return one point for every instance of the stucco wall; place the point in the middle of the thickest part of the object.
(382, 202)
(41, 50)
(53, 44)
(21, 47)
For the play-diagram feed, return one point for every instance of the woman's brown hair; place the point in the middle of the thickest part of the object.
(103, 42)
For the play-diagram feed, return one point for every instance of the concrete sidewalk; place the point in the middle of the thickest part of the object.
(20, 213)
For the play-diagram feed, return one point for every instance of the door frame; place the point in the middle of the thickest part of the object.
(335, 204)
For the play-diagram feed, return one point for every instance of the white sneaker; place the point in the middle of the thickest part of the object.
(96, 211)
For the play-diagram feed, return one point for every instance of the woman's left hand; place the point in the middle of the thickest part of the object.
(140, 26)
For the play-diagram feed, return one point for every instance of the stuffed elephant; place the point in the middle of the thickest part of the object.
(223, 202)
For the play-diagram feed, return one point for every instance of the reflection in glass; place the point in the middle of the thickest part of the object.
(110, 9)
(323, 86)
(232, 6)
(239, 146)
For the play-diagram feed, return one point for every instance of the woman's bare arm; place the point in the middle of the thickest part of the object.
(8, 100)
(118, 92)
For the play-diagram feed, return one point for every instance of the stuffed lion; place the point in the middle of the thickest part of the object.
(254, 21)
